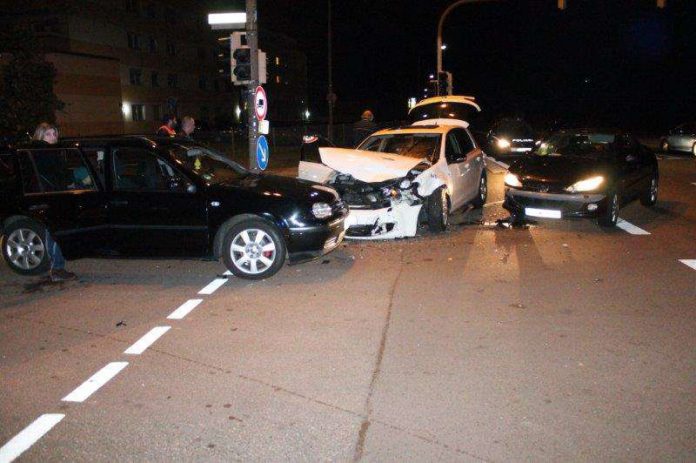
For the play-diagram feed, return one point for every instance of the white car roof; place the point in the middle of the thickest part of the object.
(469, 100)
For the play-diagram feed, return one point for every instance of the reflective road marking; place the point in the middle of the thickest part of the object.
(146, 341)
(184, 309)
(690, 262)
(630, 228)
(28, 436)
(93, 384)
(214, 285)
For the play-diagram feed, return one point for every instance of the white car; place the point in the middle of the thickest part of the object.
(398, 178)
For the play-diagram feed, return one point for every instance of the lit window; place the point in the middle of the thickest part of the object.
(277, 79)
(277, 60)
(138, 112)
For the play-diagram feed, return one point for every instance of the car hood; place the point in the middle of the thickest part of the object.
(368, 166)
(561, 170)
(274, 186)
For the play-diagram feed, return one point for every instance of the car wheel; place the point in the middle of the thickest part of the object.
(482, 193)
(438, 210)
(254, 249)
(664, 146)
(24, 247)
(611, 214)
(649, 198)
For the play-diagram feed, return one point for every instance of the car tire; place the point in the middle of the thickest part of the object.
(664, 146)
(482, 192)
(24, 247)
(253, 249)
(610, 216)
(438, 210)
(649, 197)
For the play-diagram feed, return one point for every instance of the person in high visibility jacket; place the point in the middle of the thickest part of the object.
(167, 129)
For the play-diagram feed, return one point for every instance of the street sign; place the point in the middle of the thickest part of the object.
(260, 103)
(262, 153)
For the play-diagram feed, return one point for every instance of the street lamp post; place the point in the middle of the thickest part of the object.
(442, 21)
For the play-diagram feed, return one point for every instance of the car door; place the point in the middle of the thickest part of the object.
(632, 166)
(153, 208)
(61, 191)
(457, 172)
(472, 166)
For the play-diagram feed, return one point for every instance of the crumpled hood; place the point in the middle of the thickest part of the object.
(368, 166)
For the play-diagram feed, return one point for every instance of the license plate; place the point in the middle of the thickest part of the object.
(545, 213)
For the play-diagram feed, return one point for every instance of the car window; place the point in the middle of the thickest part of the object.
(95, 157)
(453, 152)
(140, 170)
(55, 170)
(465, 142)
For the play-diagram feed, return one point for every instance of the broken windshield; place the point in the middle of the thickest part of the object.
(412, 145)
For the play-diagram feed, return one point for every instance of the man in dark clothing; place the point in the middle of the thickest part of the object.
(167, 128)
(188, 125)
(364, 127)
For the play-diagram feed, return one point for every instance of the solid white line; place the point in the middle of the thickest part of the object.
(630, 228)
(146, 341)
(93, 384)
(215, 285)
(28, 436)
(184, 309)
(690, 262)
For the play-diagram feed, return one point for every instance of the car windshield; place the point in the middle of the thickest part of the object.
(212, 166)
(590, 144)
(412, 145)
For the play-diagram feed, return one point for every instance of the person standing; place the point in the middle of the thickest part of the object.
(48, 133)
(167, 128)
(364, 127)
(188, 125)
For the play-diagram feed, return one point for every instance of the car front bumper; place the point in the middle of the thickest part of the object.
(535, 204)
(307, 243)
(396, 221)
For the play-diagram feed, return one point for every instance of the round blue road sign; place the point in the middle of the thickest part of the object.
(262, 152)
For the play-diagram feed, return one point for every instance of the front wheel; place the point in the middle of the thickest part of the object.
(253, 249)
(24, 247)
(438, 210)
(482, 192)
(611, 214)
(649, 198)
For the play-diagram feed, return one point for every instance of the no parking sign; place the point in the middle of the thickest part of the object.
(260, 103)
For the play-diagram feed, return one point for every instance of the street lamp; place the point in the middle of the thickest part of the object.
(442, 21)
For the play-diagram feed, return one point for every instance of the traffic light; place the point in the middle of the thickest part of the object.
(240, 61)
(444, 83)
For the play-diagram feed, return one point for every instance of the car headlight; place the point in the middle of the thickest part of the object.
(512, 180)
(321, 210)
(503, 143)
(586, 185)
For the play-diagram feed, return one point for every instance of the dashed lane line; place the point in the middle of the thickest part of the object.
(184, 309)
(630, 228)
(689, 262)
(215, 284)
(29, 436)
(147, 340)
(93, 384)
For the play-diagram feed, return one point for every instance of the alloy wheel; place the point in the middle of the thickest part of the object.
(253, 251)
(25, 249)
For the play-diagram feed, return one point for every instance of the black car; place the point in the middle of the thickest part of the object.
(510, 136)
(166, 197)
(582, 173)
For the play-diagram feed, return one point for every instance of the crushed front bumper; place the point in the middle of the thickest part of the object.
(396, 221)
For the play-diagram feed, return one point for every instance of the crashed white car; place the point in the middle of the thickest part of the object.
(398, 178)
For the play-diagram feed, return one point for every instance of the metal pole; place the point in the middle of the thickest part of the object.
(253, 42)
(330, 95)
(442, 21)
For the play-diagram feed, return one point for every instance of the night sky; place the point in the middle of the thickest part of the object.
(620, 63)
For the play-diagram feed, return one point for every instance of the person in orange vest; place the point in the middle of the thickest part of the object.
(167, 129)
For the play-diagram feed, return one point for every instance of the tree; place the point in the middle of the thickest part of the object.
(26, 84)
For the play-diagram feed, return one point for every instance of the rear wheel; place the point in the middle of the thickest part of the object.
(649, 198)
(438, 210)
(254, 249)
(24, 247)
(482, 193)
(611, 214)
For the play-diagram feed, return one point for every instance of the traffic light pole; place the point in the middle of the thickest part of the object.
(253, 43)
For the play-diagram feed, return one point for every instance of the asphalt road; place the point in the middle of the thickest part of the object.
(557, 342)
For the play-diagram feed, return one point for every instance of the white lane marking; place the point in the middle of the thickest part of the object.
(146, 341)
(630, 228)
(690, 262)
(184, 309)
(100, 378)
(215, 284)
(493, 203)
(29, 436)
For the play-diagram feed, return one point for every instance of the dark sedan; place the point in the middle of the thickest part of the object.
(582, 173)
(170, 197)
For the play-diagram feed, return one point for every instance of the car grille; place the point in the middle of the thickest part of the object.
(542, 187)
